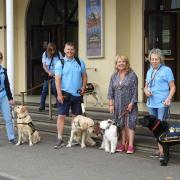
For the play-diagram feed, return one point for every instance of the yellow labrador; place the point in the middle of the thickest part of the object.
(26, 128)
(81, 130)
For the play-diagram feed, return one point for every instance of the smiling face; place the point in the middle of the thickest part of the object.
(155, 61)
(69, 51)
(121, 64)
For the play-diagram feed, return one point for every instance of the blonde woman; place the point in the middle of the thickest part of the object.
(123, 97)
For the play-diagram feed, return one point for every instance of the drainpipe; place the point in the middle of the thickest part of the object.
(10, 42)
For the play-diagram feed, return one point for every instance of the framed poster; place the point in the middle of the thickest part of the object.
(94, 29)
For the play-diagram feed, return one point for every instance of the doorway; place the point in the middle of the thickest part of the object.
(48, 21)
(161, 30)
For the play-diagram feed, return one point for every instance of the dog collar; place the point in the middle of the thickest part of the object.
(22, 117)
(155, 126)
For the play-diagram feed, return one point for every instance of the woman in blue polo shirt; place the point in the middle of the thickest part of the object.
(159, 87)
(6, 100)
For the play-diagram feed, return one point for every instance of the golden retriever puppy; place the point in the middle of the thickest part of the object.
(81, 130)
(26, 129)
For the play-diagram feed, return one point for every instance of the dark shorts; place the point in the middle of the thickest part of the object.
(74, 103)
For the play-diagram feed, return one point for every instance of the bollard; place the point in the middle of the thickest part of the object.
(22, 96)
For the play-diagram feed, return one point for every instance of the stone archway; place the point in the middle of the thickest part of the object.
(47, 21)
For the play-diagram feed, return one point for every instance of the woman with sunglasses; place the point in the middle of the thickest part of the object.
(6, 100)
(159, 89)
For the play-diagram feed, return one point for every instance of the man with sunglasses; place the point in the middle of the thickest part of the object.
(49, 59)
(6, 100)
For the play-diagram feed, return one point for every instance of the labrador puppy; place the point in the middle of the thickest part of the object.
(26, 129)
(81, 129)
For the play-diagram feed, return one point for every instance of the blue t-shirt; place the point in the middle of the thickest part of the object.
(71, 75)
(47, 61)
(158, 84)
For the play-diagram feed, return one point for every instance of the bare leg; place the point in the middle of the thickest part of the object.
(131, 136)
(60, 126)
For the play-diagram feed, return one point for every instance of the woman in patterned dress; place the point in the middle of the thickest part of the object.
(123, 97)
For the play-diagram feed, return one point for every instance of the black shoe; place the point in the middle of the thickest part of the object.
(41, 108)
(59, 144)
(12, 141)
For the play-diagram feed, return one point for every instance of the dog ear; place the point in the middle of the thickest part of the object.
(84, 126)
(23, 109)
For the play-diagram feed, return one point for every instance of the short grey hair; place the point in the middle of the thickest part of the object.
(157, 52)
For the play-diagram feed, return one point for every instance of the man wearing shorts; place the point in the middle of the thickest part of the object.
(70, 76)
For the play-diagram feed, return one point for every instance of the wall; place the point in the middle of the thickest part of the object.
(20, 45)
(136, 42)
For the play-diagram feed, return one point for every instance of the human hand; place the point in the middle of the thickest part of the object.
(83, 90)
(50, 74)
(11, 102)
(147, 92)
(60, 98)
(129, 107)
(111, 109)
(167, 102)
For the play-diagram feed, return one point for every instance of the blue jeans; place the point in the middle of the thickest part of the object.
(160, 113)
(45, 91)
(6, 112)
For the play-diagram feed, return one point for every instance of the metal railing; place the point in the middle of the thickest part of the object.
(49, 92)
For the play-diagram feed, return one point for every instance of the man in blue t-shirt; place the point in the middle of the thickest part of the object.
(70, 77)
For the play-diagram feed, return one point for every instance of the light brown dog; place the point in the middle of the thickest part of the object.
(81, 131)
(26, 129)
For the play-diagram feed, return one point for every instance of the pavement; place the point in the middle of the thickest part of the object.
(43, 162)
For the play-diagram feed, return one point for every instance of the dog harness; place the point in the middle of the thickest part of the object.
(30, 124)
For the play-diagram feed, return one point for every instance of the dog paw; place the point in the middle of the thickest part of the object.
(19, 143)
(83, 146)
(68, 145)
(107, 150)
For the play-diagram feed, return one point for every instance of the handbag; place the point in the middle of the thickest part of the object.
(66, 95)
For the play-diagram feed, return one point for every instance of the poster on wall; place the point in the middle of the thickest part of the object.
(94, 29)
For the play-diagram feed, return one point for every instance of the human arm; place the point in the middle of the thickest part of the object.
(7, 88)
(111, 96)
(134, 91)
(84, 82)
(172, 91)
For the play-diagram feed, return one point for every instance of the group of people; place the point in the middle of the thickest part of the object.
(69, 78)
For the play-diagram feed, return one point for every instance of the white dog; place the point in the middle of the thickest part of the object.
(110, 137)
(26, 128)
(81, 130)
(93, 89)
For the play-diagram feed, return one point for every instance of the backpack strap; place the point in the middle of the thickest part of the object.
(76, 58)
(78, 61)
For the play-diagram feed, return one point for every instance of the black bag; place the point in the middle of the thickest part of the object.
(66, 96)
(45, 75)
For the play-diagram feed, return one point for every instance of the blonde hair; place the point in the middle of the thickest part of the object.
(124, 58)
(158, 52)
